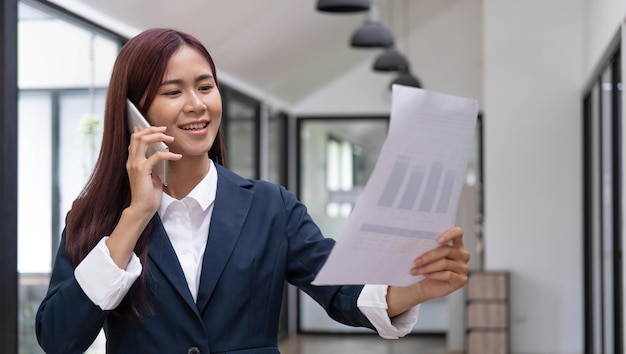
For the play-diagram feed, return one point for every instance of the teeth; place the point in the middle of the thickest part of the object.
(194, 126)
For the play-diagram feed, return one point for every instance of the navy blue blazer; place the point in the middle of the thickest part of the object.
(259, 236)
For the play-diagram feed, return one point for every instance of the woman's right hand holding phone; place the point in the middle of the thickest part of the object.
(146, 191)
(145, 186)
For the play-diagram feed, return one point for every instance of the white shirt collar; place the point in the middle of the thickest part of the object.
(203, 193)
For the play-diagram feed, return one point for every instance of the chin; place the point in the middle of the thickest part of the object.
(195, 154)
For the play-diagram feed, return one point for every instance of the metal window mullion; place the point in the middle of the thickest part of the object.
(8, 177)
(616, 135)
(55, 159)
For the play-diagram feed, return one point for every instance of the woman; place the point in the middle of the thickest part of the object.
(198, 266)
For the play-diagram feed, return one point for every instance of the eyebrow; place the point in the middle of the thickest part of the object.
(179, 81)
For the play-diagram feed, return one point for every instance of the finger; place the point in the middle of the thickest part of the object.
(147, 139)
(162, 155)
(136, 136)
(145, 166)
(440, 252)
(150, 130)
(458, 280)
(440, 265)
(140, 143)
(454, 235)
(451, 252)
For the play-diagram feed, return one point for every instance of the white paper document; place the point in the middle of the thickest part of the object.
(413, 192)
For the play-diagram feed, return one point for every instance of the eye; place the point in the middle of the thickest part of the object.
(171, 93)
(205, 88)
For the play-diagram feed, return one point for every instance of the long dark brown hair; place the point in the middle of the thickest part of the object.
(137, 73)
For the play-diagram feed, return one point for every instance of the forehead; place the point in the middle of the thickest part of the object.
(185, 61)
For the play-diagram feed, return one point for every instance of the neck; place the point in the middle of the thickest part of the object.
(185, 174)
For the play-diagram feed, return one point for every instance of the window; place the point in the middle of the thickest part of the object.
(603, 299)
(240, 123)
(64, 65)
(340, 168)
(336, 156)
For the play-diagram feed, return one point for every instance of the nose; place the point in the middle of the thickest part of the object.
(194, 103)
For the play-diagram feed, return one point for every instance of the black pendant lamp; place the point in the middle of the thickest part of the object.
(372, 33)
(407, 79)
(391, 60)
(343, 6)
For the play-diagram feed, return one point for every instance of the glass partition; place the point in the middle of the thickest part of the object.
(335, 159)
(63, 70)
(277, 148)
(240, 122)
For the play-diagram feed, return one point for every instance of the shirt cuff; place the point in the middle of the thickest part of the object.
(373, 304)
(102, 280)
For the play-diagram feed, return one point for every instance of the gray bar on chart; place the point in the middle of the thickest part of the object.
(412, 189)
(396, 231)
(446, 192)
(432, 184)
(392, 187)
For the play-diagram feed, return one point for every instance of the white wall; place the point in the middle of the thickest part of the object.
(532, 88)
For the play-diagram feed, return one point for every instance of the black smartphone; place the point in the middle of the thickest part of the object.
(134, 118)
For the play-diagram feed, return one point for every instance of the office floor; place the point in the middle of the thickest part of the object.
(362, 344)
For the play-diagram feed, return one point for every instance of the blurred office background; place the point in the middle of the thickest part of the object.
(542, 201)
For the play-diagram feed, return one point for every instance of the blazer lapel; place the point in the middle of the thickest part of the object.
(232, 203)
(163, 255)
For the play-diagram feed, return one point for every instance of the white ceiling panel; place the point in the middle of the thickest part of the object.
(284, 48)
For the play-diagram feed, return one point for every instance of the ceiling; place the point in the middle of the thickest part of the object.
(282, 49)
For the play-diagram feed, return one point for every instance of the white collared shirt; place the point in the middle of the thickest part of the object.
(187, 223)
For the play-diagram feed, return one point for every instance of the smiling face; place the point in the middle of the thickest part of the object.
(188, 103)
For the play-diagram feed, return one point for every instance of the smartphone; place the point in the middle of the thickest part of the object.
(134, 118)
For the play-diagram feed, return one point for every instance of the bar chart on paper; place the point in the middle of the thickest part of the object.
(412, 194)
(413, 188)
(427, 188)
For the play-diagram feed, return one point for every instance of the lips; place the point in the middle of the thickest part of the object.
(194, 126)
